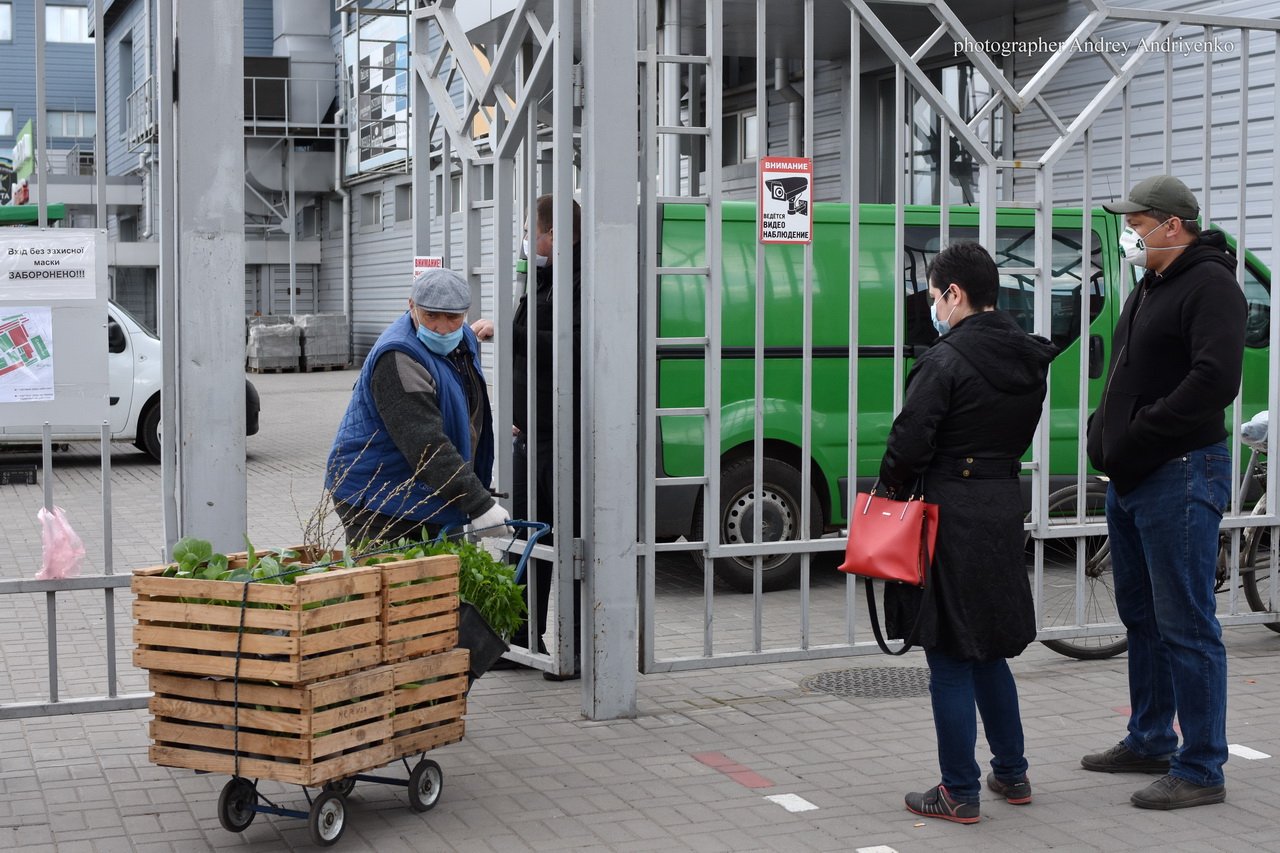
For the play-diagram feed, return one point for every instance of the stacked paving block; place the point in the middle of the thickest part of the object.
(324, 341)
(274, 345)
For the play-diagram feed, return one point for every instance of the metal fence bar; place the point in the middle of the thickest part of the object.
(806, 359)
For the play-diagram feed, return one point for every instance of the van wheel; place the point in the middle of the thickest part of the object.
(780, 510)
(148, 440)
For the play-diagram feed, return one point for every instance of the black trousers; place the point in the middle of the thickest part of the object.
(538, 570)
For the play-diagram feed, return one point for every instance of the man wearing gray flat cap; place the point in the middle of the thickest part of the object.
(415, 447)
(1159, 433)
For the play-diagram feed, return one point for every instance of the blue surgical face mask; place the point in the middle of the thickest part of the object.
(438, 343)
(943, 326)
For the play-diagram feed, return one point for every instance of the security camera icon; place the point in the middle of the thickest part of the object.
(790, 190)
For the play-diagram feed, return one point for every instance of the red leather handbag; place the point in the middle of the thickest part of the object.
(892, 541)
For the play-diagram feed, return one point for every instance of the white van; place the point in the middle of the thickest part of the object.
(134, 378)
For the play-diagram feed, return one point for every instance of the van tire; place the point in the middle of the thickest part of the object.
(782, 486)
(148, 440)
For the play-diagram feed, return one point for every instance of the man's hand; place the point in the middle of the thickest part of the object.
(483, 329)
(494, 517)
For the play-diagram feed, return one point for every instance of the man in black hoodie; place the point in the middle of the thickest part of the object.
(1159, 433)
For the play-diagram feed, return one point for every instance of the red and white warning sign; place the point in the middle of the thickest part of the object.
(786, 189)
(426, 262)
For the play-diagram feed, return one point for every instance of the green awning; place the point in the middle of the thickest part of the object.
(26, 214)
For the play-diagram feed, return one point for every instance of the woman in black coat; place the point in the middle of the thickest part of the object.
(971, 408)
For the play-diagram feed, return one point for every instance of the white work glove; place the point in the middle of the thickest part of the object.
(494, 517)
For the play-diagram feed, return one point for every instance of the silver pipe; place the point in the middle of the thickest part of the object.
(42, 210)
(100, 117)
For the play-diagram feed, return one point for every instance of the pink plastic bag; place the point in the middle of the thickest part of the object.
(63, 549)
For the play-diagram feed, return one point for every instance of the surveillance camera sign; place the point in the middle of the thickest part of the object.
(786, 191)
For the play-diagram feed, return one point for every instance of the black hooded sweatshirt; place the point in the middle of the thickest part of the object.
(1175, 365)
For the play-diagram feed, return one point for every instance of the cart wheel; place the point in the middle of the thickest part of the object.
(327, 819)
(425, 784)
(342, 786)
(235, 804)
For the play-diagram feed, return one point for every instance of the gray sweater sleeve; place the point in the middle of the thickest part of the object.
(405, 396)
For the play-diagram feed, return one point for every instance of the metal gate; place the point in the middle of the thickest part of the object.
(746, 465)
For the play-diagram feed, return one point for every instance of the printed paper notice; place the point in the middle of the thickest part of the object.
(38, 265)
(26, 354)
(786, 184)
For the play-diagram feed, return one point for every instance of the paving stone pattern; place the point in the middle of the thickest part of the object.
(532, 774)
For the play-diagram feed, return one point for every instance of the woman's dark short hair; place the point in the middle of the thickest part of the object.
(970, 267)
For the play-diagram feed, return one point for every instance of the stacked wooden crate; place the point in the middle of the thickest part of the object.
(306, 682)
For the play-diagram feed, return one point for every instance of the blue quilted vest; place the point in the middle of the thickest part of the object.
(365, 466)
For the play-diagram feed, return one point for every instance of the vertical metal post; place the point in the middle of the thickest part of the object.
(293, 226)
(806, 358)
(899, 231)
(648, 304)
(100, 117)
(50, 597)
(1206, 159)
(713, 82)
(167, 311)
(609, 366)
(420, 109)
(757, 356)
(209, 207)
(855, 296)
(109, 599)
(41, 122)
(565, 416)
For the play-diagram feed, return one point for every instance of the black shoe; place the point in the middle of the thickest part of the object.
(1174, 792)
(936, 802)
(1122, 759)
(1018, 793)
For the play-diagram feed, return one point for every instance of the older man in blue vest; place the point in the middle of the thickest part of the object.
(414, 450)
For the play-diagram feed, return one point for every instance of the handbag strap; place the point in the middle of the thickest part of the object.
(910, 641)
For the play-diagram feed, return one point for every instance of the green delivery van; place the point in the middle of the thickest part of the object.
(681, 369)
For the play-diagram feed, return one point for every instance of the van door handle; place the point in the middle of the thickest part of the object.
(1097, 349)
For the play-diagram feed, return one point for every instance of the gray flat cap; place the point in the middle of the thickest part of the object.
(441, 290)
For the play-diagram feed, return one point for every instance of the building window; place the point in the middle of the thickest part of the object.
(335, 216)
(125, 88)
(404, 202)
(68, 125)
(455, 194)
(6, 122)
(370, 209)
(67, 24)
(738, 143)
(6, 22)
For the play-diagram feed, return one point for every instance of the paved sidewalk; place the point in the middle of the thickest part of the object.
(692, 772)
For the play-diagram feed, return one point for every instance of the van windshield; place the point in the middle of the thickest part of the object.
(1014, 255)
(116, 306)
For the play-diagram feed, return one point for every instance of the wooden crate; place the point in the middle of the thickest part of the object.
(304, 735)
(430, 700)
(320, 626)
(420, 607)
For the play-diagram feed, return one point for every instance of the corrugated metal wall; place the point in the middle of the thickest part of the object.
(258, 28)
(1072, 88)
(68, 76)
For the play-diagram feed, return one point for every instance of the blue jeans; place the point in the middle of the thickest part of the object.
(956, 686)
(1164, 553)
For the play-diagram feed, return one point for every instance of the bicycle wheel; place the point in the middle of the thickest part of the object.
(1255, 567)
(1058, 605)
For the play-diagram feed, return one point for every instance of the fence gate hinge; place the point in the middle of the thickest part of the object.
(579, 86)
(579, 558)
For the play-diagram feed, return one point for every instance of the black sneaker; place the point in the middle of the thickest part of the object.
(1122, 759)
(936, 802)
(1173, 792)
(1018, 793)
